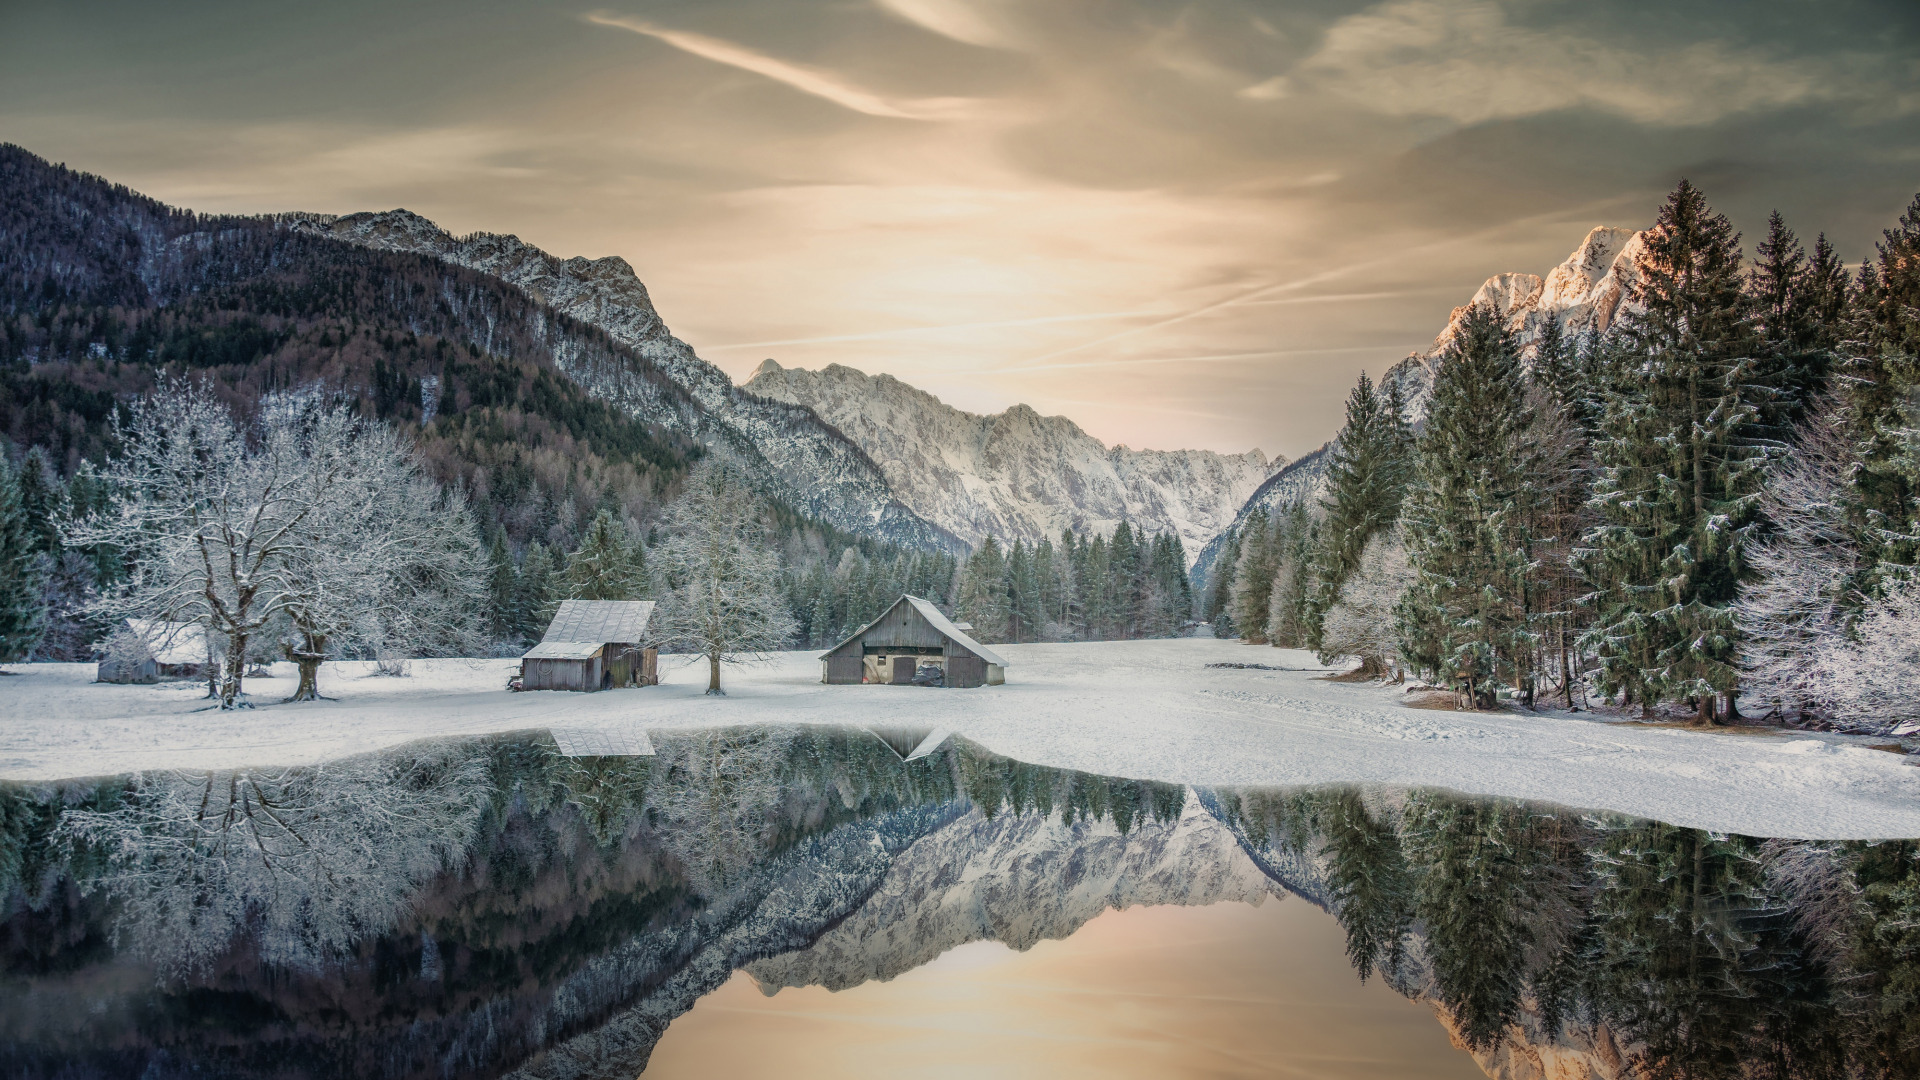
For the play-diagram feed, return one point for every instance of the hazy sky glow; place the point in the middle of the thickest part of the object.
(1180, 224)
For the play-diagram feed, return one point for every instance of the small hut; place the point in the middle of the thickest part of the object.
(148, 650)
(594, 645)
(912, 635)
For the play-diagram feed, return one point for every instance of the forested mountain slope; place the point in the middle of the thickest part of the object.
(811, 466)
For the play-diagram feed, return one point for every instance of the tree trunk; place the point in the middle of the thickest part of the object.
(1733, 709)
(713, 674)
(233, 670)
(309, 656)
(1705, 715)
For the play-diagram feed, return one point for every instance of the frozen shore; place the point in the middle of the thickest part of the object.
(1147, 709)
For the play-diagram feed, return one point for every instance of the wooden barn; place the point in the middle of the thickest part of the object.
(594, 645)
(148, 650)
(912, 634)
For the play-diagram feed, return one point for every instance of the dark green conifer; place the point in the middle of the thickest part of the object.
(1465, 617)
(23, 605)
(1366, 481)
(1682, 455)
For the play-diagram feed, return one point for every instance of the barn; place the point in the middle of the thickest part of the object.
(594, 645)
(148, 650)
(912, 634)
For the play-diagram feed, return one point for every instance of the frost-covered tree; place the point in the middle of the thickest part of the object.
(389, 564)
(204, 521)
(308, 515)
(724, 597)
(23, 608)
(1682, 455)
(1364, 624)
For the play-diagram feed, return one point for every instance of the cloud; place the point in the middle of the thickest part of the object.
(820, 84)
(956, 19)
(1463, 60)
(1271, 90)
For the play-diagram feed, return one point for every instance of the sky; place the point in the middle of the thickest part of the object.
(1180, 224)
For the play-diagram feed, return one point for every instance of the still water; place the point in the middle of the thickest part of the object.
(819, 902)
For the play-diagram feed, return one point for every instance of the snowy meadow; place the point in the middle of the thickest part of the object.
(1149, 710)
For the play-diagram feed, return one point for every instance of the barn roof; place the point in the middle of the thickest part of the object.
(600, 621)
(172, 642)
(940, 622)
(565, 650)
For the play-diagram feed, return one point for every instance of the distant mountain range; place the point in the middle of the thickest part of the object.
(1588, 292)
(1017, 474)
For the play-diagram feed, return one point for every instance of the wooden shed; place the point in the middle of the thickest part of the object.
(911, 633)
(148, 650)
(594, 645)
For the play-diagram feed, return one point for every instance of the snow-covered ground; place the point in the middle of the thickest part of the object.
(1148, 709)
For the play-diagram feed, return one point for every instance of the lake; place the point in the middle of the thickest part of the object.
(810, 901)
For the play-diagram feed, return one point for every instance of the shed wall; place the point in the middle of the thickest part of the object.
(965, 669)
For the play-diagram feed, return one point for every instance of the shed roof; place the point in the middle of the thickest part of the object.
(940, 622)
(600, 621)
(565, 650)
(172, 642)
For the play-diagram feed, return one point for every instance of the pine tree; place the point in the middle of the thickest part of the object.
(1880, 380)
(982, 598)
(502, 588)
(23, 608)
(1681, 457)
(1782, 290)
(1253, 577)
(534, 599)
(605, 566)
(1366, 481)
(1465, 616)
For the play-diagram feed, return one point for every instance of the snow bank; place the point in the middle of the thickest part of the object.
(1145, 709)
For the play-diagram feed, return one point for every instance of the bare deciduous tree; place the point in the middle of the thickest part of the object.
(724, 575)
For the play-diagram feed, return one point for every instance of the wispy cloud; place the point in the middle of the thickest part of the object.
(911, 331)
(821, 84)
(1466, 61)
(956, 19)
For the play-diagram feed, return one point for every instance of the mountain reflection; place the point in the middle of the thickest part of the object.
(485, 907)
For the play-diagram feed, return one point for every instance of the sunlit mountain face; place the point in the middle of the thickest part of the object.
(488, 907)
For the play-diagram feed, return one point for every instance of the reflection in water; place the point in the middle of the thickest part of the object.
(488, 907)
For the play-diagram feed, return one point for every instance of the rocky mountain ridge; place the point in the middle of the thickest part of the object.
(1017, 474)
(1018, 879)
(807, 462)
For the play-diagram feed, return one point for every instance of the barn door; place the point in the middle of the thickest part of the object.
(903, 670)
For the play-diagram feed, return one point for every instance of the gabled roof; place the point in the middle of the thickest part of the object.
(600, 621)
(172, 642)
(940, 622)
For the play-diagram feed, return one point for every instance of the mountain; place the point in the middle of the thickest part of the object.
(811, 466)
(1588, 292)
(1017, 474)
(1019, 879)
